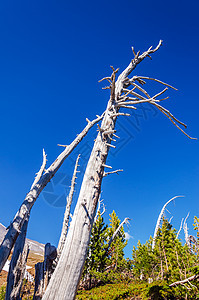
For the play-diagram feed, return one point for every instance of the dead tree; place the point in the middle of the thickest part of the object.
(64, 281)
(17, 266)
(41, 180)
(186, 233)
(44, 270)
(160, 218)
(67, 211)
(98, 212)
(177, 235)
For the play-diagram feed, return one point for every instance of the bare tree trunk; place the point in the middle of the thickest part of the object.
(38, 185)
(117, 231)
(185, 227)
(43, 271)
(160, 218)
(39, 281)
(67, 211)
(17, 265)
(177, 235)
(65, 279)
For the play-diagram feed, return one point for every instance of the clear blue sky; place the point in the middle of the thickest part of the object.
(52, 55)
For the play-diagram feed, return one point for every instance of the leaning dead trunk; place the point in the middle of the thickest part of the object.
(159, 220)
(65, 279)
(125, 221)
(67, 211)
(41, 180)
(186, 233)
(17, 266)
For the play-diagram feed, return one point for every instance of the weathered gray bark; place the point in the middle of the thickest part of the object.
(67, 211)
(39, 184)
(17, 265)
(39, 281)
(160, 218)
(43, 271)
(65, 279)
(177, 235)
(186, 233)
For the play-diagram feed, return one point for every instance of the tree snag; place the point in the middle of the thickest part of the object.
(67, 211)
(64, 281)
(160, 218)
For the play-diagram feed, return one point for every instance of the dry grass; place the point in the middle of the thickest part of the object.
(32, 260)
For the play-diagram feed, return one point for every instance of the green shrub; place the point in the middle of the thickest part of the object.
(2, 292)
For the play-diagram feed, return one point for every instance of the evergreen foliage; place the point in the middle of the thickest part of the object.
(169, 262)
(116, 251)
(101, 260)
(96, 258)
(149, 273)
(2, 292)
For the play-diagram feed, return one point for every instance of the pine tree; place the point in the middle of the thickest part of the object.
(97, 257)
(144, 260)
(169, 261)
(116, 251)
(176, 260)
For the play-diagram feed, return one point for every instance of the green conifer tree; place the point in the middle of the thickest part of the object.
(97, 257)
(116, 250)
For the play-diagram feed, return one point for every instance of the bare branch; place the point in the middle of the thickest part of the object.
(62, 145)
(125, 106)
(170, 118)
(160, 93)
(161, 108)
(141, 89)
(106, 88)
(157, 80)
(194, 277)
(134, 94)
(105, 78)
(116, 136)
(110, 145)
(106, 166)
(120, 114)
(113, 172)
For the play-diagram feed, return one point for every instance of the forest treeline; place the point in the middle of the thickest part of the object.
(169, 271)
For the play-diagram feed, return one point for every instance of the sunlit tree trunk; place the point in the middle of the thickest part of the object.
(65, 279)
